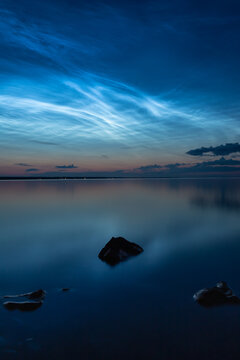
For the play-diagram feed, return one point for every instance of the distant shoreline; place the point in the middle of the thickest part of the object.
(80, 178)
(14, 178)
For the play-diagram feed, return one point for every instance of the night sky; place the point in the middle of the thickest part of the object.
(119, 88)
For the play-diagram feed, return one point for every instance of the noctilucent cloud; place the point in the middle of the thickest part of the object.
(119, 88)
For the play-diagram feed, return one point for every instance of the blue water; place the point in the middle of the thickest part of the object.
(51, 233)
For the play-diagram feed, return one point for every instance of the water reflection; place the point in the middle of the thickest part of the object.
(51, 234)
(225, 196)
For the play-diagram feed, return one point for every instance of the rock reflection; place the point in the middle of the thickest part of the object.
(22, 306)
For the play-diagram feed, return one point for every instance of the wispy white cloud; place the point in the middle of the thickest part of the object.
(95, 109)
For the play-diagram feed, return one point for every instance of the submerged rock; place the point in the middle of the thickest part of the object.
(118, 249)
(22, 306)
(220, 294)
(34, 295)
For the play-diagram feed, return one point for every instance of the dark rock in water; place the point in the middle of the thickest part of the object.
(38, 294)
(35, 295)
(220, 294)
(22, 306)
(117, 250)
(65, 289)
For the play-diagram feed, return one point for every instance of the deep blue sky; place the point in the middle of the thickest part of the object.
(118, 87)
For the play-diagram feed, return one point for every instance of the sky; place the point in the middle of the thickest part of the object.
(119, 88)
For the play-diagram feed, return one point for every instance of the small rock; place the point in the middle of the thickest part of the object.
(22, 306)
(29, 339)
(38, 294)
(118, 249)
(65, 289)
(220, 294)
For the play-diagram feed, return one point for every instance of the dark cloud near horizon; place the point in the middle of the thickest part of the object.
(23, 164)
(72, 166)
(220, 150)
(178, 169)
(220, 162)
(174, 166)
(206, 168)
(147, 168)
(150, 167)
(32, 170)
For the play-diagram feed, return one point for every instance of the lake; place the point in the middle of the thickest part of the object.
(143, 308)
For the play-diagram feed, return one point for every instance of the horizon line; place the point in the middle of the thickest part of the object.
(9, 178)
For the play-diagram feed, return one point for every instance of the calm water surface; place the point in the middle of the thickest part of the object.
(51, 233)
